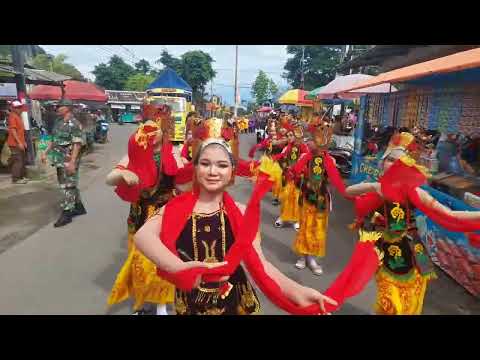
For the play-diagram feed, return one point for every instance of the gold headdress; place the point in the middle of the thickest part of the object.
(405, 144)
(215, 130)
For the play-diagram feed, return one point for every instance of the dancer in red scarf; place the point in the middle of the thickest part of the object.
(199, 239)
(392, 251)
(145, 179)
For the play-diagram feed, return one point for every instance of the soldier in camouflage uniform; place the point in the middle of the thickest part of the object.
(64, 152)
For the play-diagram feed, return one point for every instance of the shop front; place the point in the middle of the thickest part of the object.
(443, 110)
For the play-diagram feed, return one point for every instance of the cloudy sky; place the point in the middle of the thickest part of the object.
(252, 58)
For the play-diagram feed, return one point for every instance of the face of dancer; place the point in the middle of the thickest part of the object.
(391, 158)
(323, 135)
(214, 169)
(291, 137)
(272, 132)
(158, 137)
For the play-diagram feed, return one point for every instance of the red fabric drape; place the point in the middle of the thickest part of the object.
(142, 163)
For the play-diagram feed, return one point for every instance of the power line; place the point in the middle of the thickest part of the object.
(249, 70)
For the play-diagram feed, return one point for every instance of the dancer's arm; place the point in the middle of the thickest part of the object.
(432, 203)
(118, 174)
(363, 188)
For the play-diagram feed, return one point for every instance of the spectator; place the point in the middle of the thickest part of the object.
(17, 144)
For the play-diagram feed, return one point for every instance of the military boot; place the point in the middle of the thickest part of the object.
(79, 209)
(64, 219)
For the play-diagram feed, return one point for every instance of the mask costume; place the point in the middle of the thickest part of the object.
(155, 170)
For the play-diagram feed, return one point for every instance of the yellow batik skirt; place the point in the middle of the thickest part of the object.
(273, 169)
(400, 297)
(312, 236)
(138, 279)
(289, 207)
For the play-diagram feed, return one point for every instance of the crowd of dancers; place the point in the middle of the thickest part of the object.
(191, 244)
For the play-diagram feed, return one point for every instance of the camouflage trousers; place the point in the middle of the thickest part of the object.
(69, 186)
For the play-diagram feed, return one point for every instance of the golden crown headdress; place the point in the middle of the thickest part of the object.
(216, 130)
(403, 142)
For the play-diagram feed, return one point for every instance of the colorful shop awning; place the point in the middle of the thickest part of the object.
(295, 97)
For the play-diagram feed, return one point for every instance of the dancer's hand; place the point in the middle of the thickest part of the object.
(377, 187)
(307, 296)
(193, 264)
(130, 178)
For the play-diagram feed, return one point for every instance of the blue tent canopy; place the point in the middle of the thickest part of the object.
(170, 80)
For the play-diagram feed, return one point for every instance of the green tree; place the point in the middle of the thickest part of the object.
(143, 67)
(319, 62)
(197, 71)
(264, 88)
(138, 82)
(114, 74)
(57, 64)
(273, 88)
(6, 52)
(170, 61)
(195, 67)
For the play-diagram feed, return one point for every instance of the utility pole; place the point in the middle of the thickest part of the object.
(235, 108)
(302, 79)
(18, 57)
(211, 98)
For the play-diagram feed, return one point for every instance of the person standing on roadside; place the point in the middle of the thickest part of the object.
(65, 148)
(17, 144)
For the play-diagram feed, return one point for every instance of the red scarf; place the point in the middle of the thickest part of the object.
(142, 163)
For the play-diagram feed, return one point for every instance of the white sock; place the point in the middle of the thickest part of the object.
(162, 309)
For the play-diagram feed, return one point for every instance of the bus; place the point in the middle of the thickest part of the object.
(180, 103)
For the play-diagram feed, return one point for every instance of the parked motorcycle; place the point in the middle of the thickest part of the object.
(343, 158)
(101, 131)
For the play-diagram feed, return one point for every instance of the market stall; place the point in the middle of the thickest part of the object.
(438, 100)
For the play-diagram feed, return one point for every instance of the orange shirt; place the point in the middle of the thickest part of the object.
(15, 122)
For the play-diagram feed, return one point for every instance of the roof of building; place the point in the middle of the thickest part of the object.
(457, 62)
(32, 76)
(169, 79)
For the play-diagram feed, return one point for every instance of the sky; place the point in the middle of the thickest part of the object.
(251, 59)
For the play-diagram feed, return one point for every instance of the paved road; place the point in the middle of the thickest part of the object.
(71, 270)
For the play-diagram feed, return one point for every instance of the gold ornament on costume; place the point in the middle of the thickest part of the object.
(397, 212)
(394, 251)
